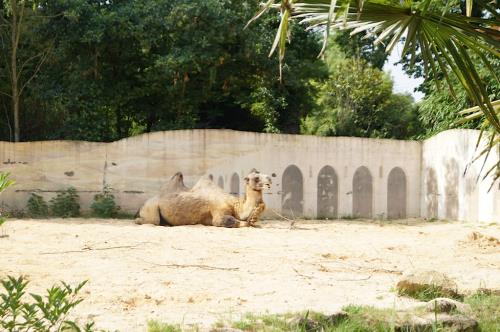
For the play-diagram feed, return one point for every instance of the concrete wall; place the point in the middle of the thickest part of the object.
(348, 176)
(448, 192)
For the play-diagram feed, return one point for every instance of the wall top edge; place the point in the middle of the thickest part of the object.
(454, 132)
(182, 132)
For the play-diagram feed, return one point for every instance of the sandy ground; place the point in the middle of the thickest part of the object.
(199, 274)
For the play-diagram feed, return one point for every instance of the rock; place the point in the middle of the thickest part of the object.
(443, 304)
(457, 323)
(419, 281)
(337, 317)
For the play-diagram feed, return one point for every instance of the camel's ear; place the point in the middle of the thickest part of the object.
(253, 170)
(246, 179)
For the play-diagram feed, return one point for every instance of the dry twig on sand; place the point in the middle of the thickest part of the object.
(292, 222)
(88, 248)
(187, 266)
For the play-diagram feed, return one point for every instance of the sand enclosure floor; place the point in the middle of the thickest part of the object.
(198, 274)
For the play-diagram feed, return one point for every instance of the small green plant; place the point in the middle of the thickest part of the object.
(37, 207)
(5, 182)
(154, 326)
(65, 204)
(348, 217)
(3, 218)
(44, 313)
(104, 205)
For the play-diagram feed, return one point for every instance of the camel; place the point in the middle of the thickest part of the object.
(206, 204)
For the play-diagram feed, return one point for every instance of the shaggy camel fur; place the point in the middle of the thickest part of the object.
(150, 211)
(205, 204)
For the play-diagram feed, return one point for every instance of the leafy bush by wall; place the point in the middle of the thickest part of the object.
(66, 204)
(37, 207)
(104, 205)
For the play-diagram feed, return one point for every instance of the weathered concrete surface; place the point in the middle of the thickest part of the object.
(136, 168)
(450, 185)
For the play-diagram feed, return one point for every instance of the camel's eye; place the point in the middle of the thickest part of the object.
(257, 179)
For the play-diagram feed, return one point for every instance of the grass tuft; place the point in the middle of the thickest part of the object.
(485, 308)
(155, 326)
(429, 293)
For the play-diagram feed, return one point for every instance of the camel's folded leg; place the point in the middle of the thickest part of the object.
(228, 221)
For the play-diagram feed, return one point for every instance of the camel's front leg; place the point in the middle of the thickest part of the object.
(253, 218)
(226, 220)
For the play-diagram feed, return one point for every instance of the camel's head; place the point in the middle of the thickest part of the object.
(258, 181)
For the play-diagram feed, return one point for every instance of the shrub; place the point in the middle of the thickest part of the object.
(43, 314)
(37, 207)
(65, 204)
(4, 183)
(104, 205)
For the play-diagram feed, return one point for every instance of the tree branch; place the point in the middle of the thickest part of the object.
(39, 66)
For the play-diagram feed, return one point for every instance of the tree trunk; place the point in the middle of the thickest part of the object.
(13, 69)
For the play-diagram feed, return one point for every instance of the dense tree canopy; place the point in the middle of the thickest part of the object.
(357, 100)
(120, 68)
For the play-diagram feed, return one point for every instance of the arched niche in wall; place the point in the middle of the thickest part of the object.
(327, 199)
(431, 193)
(235, 185)
(396, 194)
(451, 189)
(362, 193)
(292, 192)
(220, 182)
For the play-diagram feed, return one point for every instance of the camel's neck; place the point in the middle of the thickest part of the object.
(248, 203)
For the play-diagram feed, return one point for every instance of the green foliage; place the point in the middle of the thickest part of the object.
(486, 308)
(5, 182)
(37, 207)
(65, 204)
(121, 68)
(154, 326)
(428, 293)
(361, 47)
(440, 108)
(44, 313)
(357, 100)
(360, 319)
(104, 205)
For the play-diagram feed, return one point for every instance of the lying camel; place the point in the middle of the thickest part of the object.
(206, 204)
